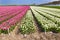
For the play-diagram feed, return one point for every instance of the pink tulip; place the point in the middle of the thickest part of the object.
(7, 24)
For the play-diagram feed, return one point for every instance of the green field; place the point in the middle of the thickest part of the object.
(52, 6)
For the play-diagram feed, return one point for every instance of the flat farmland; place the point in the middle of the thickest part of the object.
(30, 22)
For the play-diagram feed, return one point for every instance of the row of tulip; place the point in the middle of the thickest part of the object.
(10, 16)
(47, 20)
(10, 23)
(10, 11)
(45, 24)
(52, 18)
(27, 24)
(53, 13)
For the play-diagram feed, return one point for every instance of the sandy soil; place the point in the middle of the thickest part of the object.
(34, 36)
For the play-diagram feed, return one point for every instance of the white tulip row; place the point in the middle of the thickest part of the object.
(27, 24)
(46, 19)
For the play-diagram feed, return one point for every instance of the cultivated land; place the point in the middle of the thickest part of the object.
(29, 23)
(58, 7)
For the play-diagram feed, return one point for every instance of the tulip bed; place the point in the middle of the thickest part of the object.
(10, 21)
(27, 25)
(8, 10)
(50, 21)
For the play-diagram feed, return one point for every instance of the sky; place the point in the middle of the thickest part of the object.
(20, 2)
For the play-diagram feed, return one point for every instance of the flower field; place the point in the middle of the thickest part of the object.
(48, 18)
(11, 16)
(29, 20)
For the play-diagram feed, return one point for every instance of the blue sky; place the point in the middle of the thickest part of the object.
(5, 2)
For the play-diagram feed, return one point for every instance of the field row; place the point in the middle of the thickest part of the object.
(48, 18)
(13, 16)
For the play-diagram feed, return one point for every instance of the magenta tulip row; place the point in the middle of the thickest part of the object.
(9, 10)
(10, 15)
(12, 21)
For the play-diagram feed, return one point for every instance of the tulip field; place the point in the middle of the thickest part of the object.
(10, 15)
(47, 18)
